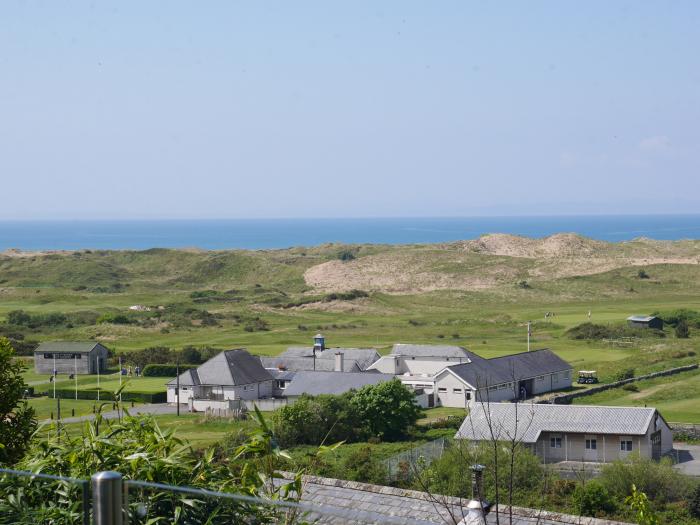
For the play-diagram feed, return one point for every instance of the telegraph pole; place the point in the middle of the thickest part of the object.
(177, 385)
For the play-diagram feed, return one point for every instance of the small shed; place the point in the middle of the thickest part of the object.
(70, 357)
(645, 321)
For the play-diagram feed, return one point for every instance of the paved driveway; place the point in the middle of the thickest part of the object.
(687, 458)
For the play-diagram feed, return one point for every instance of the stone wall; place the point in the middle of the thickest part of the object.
(566, 399)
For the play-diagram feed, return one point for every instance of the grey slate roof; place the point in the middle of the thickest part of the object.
(231, 368)
(305, 363)
(533, 419)
(429, 350)
(488, 372)
(301, 358)
(641, 318)
(317, 382)
(77, 347)
(187, 378)
(362, 503)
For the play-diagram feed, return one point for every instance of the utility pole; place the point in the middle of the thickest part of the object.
(177, 385)
(529, 333)
(54, 376)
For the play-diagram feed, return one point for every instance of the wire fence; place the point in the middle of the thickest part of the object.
(108, 499)
(405, 464)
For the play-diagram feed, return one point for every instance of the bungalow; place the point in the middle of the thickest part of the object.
(228, 376)
(514, 376)
(645, 321)
(557, 433)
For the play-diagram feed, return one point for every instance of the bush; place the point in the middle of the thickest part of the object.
(164, 370)
(694, 502)
(113, 319)
(599, 331)
(346, 255)
(660, 481)
(105, 395)
(672, 318)
(630, 387)
(593, 499)
(361, 465)
(682, 330)
(641, 274)
(627, 373)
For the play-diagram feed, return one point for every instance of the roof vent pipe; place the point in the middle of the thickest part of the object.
(477, 508)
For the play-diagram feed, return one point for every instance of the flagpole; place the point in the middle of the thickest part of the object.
(98, 377)
(75, 374)
(529, 330)
(120, 379)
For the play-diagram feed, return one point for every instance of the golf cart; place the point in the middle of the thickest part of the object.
(587, 377)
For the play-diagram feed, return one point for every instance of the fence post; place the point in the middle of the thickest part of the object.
(107, 498)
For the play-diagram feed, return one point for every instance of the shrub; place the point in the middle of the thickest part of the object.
(105, 395)
(113, 318)
(346, 255)
(682, 330)
(694, 502)
(592, 499)
(630, 387)
(153, 370)
(361, 465)
(524, 285)
(641, 274)
(627, 373)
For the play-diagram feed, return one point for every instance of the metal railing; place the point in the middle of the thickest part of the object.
(109, 499)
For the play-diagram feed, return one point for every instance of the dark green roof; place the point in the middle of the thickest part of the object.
(81, 347)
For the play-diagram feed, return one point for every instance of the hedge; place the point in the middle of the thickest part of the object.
(164, 370)
(139, 397)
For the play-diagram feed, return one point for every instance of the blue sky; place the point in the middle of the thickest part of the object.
(301, 109)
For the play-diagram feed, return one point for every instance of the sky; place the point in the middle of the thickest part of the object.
(168, 109)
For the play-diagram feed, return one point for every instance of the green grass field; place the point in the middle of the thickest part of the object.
(676, 396)
(236, 288)
(46, 407)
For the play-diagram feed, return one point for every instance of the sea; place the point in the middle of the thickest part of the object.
(224, 234)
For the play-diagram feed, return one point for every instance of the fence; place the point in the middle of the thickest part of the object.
(109, 499)
(404, 464)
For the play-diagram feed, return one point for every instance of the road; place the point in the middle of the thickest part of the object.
(687, 458)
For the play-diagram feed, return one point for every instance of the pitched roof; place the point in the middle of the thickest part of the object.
(231, 368)
(533, 419)
(79, 347)
(355, 502)
(302, 358)
(306, 363)
(488, 372)
(189, 377)
(641, 318)
(429, 350)
(317, 382)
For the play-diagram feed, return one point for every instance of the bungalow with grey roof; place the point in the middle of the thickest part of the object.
(232, 375)
(571, 432)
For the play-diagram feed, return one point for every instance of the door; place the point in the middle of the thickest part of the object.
(656, 445)
(431, 400)
(590, 450)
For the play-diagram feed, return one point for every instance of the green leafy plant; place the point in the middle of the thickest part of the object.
(639, 504)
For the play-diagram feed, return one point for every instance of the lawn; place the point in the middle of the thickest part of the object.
(108, 382)
(46, 407)
(433, 414)
(676, 396)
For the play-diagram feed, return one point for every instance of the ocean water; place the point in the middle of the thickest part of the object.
(282, 233)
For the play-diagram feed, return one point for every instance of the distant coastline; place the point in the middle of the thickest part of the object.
(284, 233)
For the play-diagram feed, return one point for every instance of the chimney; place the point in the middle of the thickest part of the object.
(477, 507)
(339, 362)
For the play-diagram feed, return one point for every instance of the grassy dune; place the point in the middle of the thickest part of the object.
(479, 294)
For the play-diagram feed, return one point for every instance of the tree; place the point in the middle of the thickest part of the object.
(694, 502)
(17, 421)
(682, 330)
(388, 409)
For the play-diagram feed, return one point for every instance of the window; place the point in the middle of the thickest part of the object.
(626, 445)
(492, 388)
(456, 390)
(281, 384)
(591, 444)
(467, 395)
(555, 442)
(502, 387)
(540, 378)
(567, 374)
(183, 388)
(442, 390)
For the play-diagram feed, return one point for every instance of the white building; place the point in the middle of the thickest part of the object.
(557, 433)
(229, 376)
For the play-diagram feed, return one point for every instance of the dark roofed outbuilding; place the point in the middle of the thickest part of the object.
(645, 321)
(70, 357)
